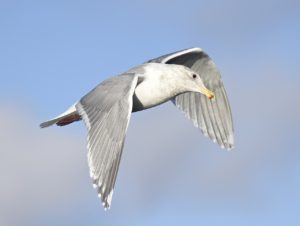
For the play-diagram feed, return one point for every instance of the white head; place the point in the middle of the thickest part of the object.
(159, 83)
(191, 81)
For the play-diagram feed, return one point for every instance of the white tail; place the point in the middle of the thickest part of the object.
(69, 116)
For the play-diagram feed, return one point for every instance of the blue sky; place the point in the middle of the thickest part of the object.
(53, 52)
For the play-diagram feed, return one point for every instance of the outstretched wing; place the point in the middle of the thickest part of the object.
(213, 117)
(106, 112)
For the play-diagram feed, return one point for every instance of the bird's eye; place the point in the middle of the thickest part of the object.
(194, 76)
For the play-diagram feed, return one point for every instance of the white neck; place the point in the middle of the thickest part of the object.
(158, 85)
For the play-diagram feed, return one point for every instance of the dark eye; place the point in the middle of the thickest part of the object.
(194, 76)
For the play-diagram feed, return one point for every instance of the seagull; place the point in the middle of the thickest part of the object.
(188, 78)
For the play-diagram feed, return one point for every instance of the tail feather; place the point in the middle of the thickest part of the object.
(69, 116)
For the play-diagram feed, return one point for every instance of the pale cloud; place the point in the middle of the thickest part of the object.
(39, 169)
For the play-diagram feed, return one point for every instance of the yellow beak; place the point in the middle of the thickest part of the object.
(207, 93)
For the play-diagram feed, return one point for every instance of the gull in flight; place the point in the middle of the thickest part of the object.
(188, 78)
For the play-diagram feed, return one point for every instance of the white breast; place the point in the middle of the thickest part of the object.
(157, 87)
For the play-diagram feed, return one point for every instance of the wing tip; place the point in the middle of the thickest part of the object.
(105, 200)
(230, 143)
(67, 117)
(229, 146)
(46, 124)
(43, 125)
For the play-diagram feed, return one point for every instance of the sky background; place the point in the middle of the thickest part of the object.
(53, 52)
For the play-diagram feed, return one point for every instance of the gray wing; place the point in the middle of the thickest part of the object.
(213, 117)
(106, 112)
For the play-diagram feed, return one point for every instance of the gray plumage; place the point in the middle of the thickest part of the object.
(212, 117)
(106, 115)
(182, 77)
